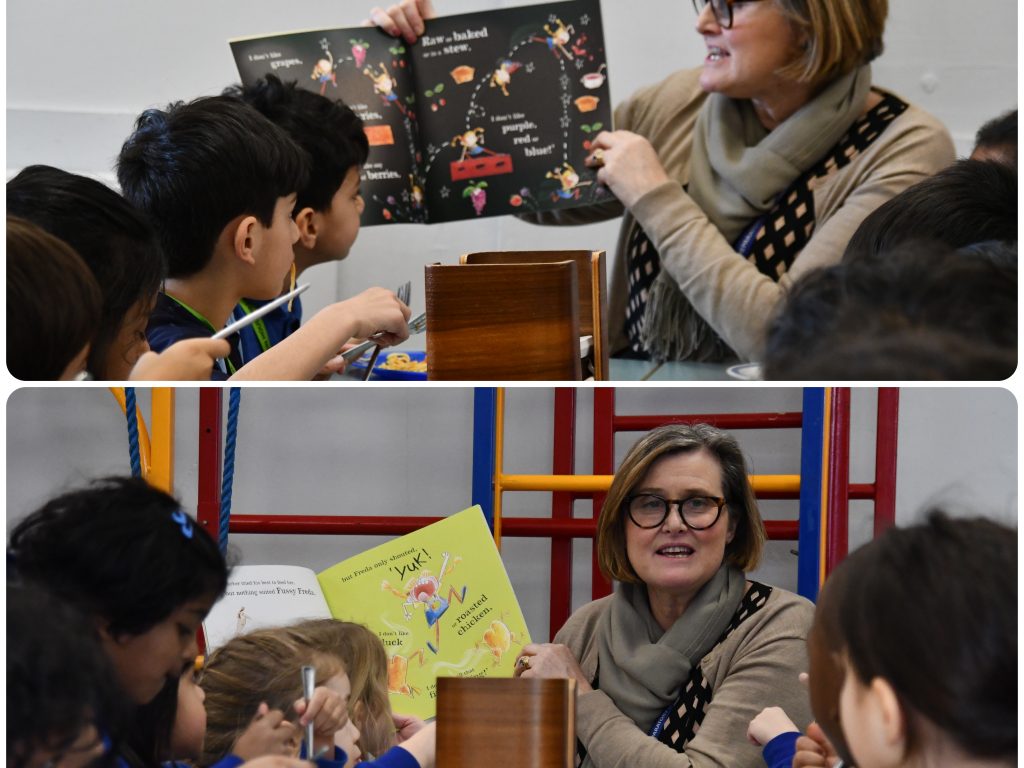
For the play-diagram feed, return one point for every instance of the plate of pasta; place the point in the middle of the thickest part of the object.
(395, 366)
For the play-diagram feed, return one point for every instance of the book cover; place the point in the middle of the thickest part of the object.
(441, 601)
(488, 113)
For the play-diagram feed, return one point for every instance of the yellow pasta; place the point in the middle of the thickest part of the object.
(291, 287)
(400, 361)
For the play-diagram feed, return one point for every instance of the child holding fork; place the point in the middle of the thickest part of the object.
(220, 182)
(328, 205)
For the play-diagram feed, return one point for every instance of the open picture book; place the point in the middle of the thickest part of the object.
(439, 598)
(488, 113)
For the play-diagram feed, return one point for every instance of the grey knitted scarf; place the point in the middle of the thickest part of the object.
(737, 170)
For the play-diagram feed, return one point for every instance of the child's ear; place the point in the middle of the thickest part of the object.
(246, 238)
(309, 225)
(889, 717)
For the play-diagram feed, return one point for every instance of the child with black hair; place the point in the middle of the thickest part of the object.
(913, 651)
(917, 310)
(53, 305)
(996, 140)
(970, 201)
(128, 556)
(63, 706)
(328, 205)
(119, 246)
(923, 621)
(145, 574)
(220, 182)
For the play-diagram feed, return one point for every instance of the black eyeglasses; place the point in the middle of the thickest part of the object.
(721, 8)
(647, 510)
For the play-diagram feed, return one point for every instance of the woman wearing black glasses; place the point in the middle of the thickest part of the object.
(737, 177)
(673, 666)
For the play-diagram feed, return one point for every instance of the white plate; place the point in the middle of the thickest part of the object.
(746, 372)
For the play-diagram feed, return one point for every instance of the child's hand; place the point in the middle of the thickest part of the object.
(406, 726)
(268, 734)
(377, 310)
(278, 761)
(327, 711)
(771, 722)
(337, 364)
(422, 745)
(814, 750)
(185, 360)
(405, 19)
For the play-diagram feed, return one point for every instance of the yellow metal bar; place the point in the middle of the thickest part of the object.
(499, 445)
(598, 483)
(825, 448)
(162, 416)
(144, 453)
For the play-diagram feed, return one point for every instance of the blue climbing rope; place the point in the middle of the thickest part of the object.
(133, 431)
(228, 475)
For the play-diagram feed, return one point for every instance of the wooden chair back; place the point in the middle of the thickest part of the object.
(503, 321)
(592, 285)
(512, 722)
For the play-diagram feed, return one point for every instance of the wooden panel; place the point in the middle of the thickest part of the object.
(512, 722)
(497, 322)
(592, 285)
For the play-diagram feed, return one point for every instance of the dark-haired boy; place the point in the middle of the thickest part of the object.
(329, 204)
(120, 247)
(219, 181)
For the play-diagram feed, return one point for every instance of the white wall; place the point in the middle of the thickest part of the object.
(386, 451)
(79, 72)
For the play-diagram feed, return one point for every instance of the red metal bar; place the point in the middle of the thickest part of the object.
(886, 433)
(604, 464)
(364, 525)
(721, 420)
(208, 503)
(563, 462)
(837, 503)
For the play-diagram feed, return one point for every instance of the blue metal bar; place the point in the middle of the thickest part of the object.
(811, 446)
(485, 410)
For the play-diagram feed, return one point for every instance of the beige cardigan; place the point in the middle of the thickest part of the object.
(756, 666)
(730, 293)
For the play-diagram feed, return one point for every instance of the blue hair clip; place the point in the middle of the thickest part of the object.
(184, 522)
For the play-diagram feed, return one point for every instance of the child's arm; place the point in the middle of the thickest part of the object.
(406, 726)
(773, 730)
(185, 360)
(422, 745)
(300, 356)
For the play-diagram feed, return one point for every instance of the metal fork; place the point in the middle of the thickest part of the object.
(417, 325)
(404, 292)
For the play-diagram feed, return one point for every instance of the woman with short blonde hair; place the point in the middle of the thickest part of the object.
(735, 178)
(672, 667)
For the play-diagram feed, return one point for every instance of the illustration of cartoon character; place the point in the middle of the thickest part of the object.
(383, 83)
(502, 76)
(398, 673)
(241, 619)
(557, 38)
(472, 143)
(477, 194)
(498, 639)
(415, 193)
(323, 70)
(359, 51)
(570, 180)
(425, 590)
